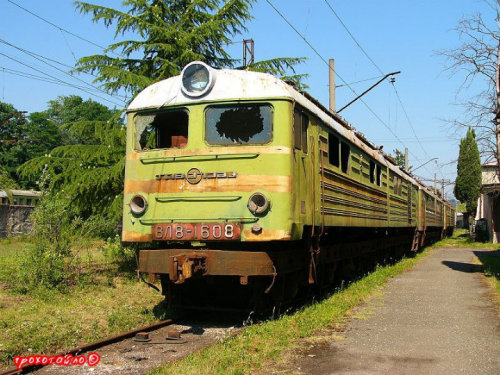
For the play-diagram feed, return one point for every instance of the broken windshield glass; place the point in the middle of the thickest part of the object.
(238, 124)
(161, 130)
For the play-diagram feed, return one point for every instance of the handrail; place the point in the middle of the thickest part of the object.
(170, 159)
(189, 220)
(223, 198)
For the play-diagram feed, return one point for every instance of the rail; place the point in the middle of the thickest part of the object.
(92, 346)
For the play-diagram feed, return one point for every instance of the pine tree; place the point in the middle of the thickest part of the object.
(169, 35)
(468, 182)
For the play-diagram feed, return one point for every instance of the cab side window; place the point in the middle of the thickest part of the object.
(333, 150)
(345, 154)
(300, 125)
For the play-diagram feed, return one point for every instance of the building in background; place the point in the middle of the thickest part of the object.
(16, 207)
(488, 205)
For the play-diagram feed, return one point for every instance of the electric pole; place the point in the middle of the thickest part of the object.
(332, 84)
(248, 49)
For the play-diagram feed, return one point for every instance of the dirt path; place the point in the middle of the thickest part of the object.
(435, 319)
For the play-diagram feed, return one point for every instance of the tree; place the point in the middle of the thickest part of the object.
(87, 172)
(22, 139)
(399, 158)
(477, 59)
(168, 35)
(6, 181)
(468, 182)
(72, 108)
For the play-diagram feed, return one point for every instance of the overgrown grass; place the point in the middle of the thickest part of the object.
(9, 247)
(102, 299)
(491, 268)
(49, 321)
(461, 238)
(266, 342)
(491, 264)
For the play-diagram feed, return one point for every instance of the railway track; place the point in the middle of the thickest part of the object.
(91, 346)
(131, 353)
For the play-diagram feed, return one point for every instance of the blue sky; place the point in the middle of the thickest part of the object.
(397, 35)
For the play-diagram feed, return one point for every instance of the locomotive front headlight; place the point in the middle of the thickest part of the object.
(138, 204)
(258, 203)
(197, 79)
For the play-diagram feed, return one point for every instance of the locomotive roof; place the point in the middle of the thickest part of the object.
(243, 85)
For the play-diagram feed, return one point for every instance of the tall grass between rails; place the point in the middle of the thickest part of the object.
(261, 343)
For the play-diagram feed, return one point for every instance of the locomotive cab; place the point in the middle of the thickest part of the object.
(208, 176)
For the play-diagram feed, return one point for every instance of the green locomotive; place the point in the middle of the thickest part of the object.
(235, 178)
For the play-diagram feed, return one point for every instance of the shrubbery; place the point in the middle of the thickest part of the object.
(46, 260)
(58, 254)
(123, 256)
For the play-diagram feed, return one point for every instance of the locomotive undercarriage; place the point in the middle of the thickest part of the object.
(283, 273)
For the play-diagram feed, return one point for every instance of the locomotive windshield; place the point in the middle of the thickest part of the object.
(161, 130)
(238, 124)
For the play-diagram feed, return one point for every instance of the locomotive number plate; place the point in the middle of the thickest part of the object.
(196, 231)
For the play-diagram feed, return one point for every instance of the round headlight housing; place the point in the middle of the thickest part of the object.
(258, 203)
(197, 79)
(138, 204)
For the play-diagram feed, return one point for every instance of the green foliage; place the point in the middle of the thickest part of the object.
(468, 182)
(88, 173)
(169, 35)
(46, 261)
(72, 108)
(124, 256)
(399, 157)
(6, 181)
(23, 139)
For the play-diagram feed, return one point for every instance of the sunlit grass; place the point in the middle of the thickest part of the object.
(105, 301)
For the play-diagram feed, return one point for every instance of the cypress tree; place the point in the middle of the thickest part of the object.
(468, 183)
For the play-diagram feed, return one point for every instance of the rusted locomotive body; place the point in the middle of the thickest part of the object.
(235, 177)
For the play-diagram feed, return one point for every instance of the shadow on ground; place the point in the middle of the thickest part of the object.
(463, 267)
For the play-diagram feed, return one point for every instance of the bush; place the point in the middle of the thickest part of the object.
(46, 261)
(124, 256)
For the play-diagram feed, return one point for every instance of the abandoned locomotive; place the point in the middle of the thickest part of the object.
(236, 180)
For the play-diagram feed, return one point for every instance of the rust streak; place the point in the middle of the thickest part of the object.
(129, 236)
(243, 183)
(268, 235)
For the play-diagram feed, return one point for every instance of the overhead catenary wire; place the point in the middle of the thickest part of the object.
(352, 37)
(57, 79)
(44, 59)
(381, 71)
(339, 76)
(37, 77)
(360, 81)
(56, 26)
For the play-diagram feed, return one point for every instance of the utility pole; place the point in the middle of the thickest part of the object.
(331, 75)
(435, 183)
(248, 48)
(406, 159)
